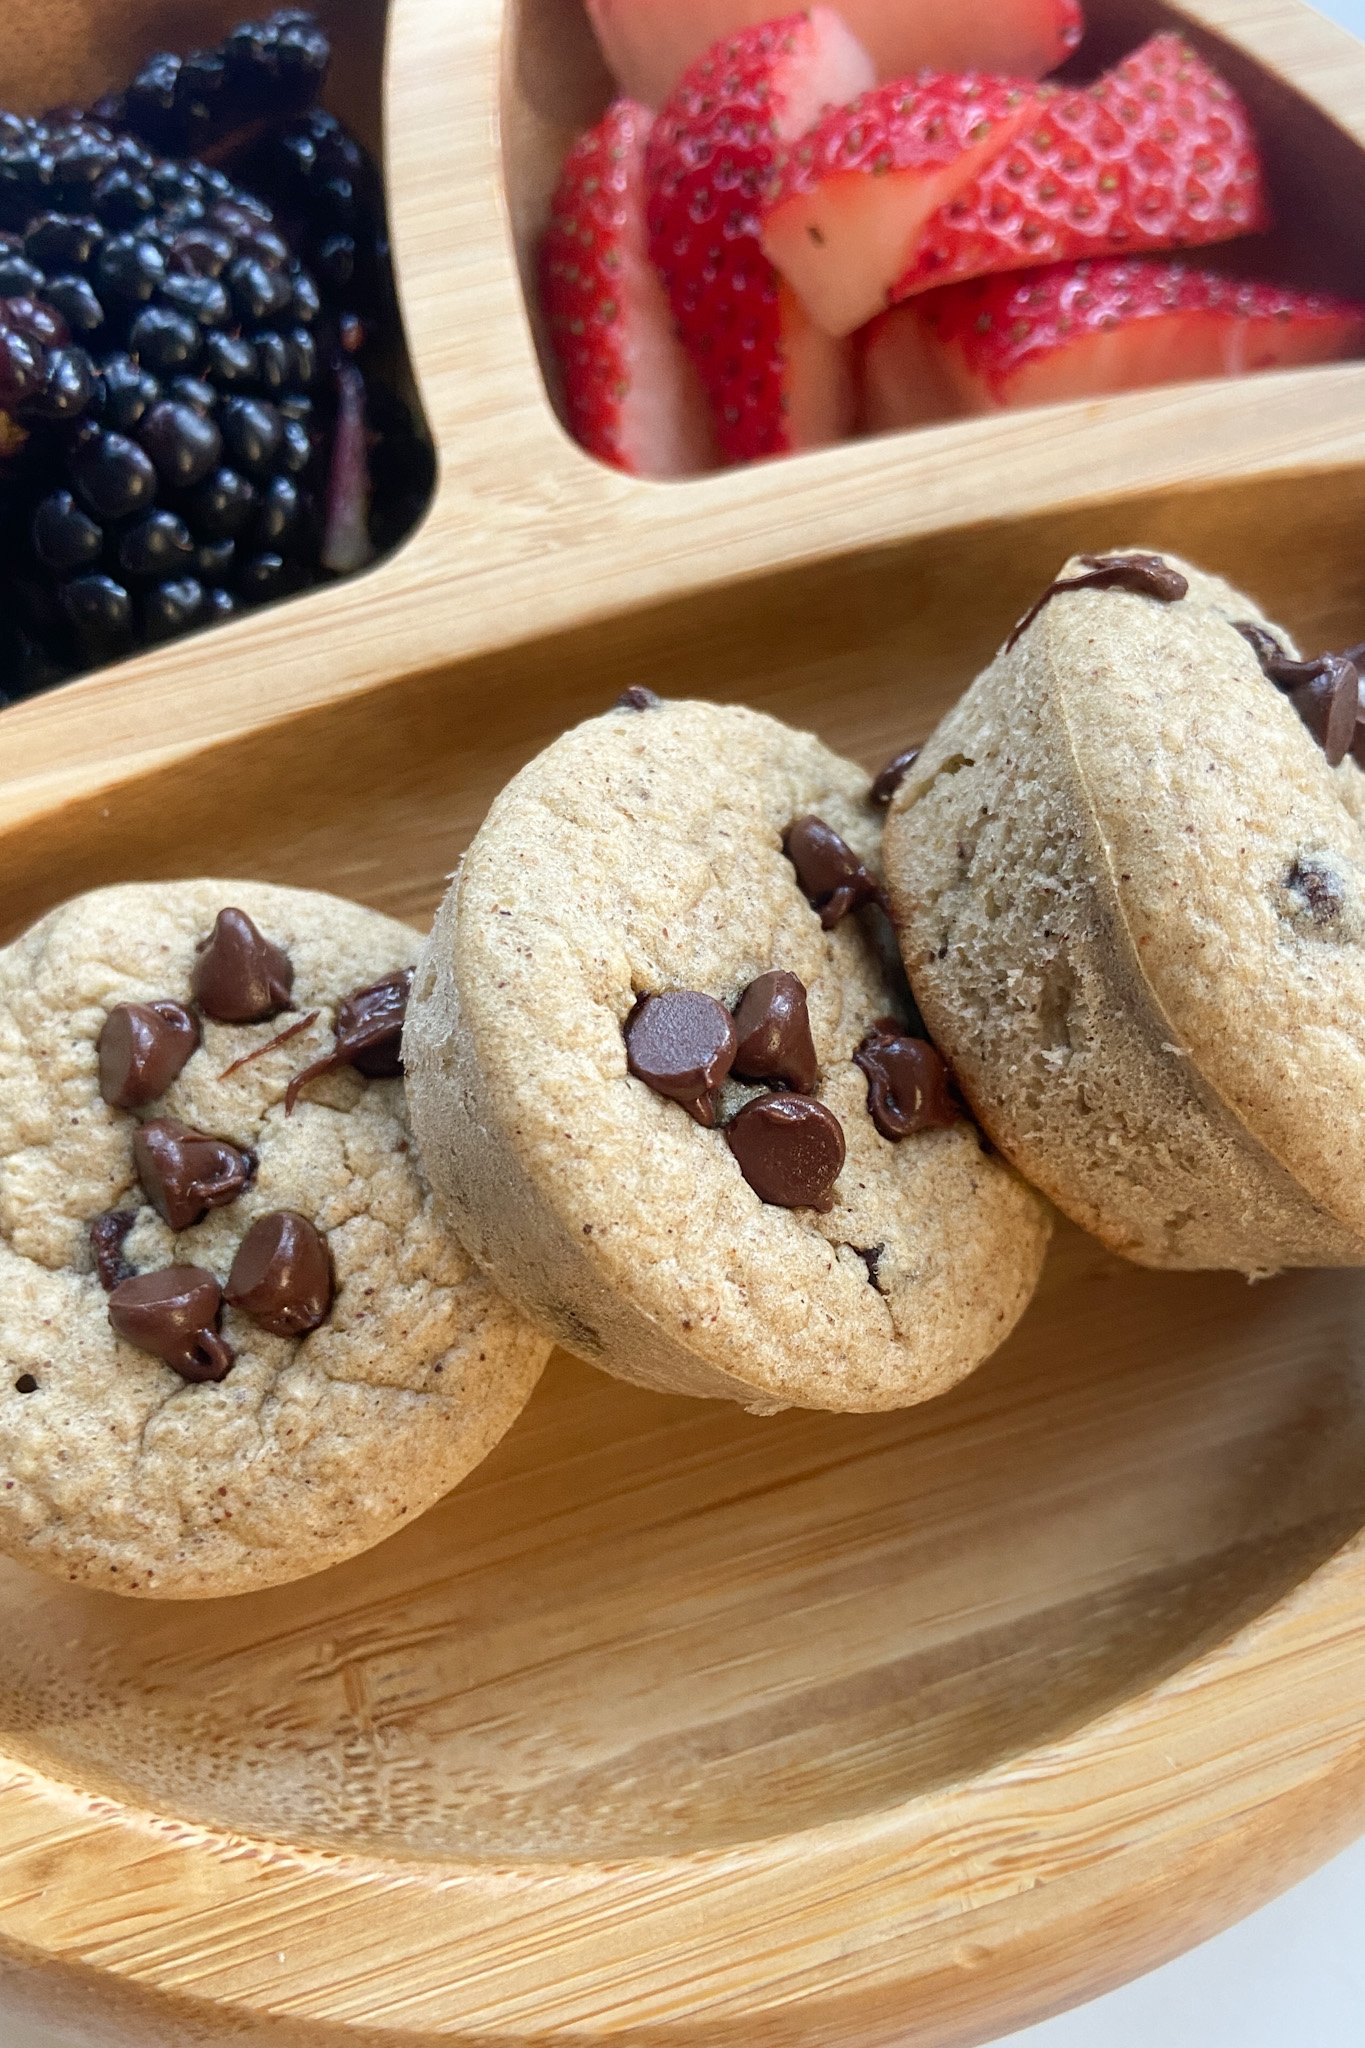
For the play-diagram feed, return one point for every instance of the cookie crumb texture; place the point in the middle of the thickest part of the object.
(114, 1471)
(638, 855)
(1130, 893)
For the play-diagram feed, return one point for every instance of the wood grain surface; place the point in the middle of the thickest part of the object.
(673, 1727)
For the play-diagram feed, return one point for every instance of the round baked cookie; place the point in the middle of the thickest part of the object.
(577, 1103)
(1131, 897)
(359, 1366)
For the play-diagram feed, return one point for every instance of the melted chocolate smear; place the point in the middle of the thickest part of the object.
(282, 1274)
(240, 976)
(833, 879)
(141, 1048)
(637, 698)
(1143, 575)
(173, 1315)
(1325, 692)
(185, 1173)
(258, 1052)
(108, 1232)
(892, 776)
(682, 1045)
(367, 1035)
(790, 1150)
(772, 1025)
(909, 1089)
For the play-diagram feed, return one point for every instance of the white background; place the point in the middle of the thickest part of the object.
(1293, 1976)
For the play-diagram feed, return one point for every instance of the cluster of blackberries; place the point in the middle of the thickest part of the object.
(195, 407)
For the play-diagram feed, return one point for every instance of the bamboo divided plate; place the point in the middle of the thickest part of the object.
(674, 1728)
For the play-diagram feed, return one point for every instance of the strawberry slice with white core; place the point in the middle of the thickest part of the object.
(1159, 153)
(775, 384)
(855, 193)
(648, 44)
(632, 397)
(1083, 330)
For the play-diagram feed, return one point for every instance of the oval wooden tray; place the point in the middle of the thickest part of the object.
(672, 1727)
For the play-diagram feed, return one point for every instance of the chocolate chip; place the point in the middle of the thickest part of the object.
(833, 879)
(637, 698)
(369, 1026)
(1325, 692)
(185, 1174)
(173, 1314)
(681, 1045)
(790, 1150)
(107, 1233)
(772, 1026)
(1317, 886)
(871, 1256)
(26, 1384)
(908, 1084)
(367, 1035)
(1143, 575)
(892, 776)
(240, 976)
(141, 1048)
(282, 1274)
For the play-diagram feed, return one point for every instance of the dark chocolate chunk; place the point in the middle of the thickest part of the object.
(107, 1233)
(173, 1314)
(790, 1150)
(26, 1384)
(282, 1274)
(681, 1045)
(1143, 575)
(892, 776)
(185, 1173)
(909, 1088)
(637, 698)
(240, 976)
(772, 1026)
(141, 1048)
(367, 1035)
(1325, 691)
(833, 879)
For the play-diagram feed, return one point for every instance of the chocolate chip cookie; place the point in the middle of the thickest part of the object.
(236, 1343)
(670, 1086)
(1129, 875)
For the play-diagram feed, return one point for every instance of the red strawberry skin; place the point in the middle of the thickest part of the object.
(1159, 153)
(773, 385)
(854, 193)
(631, 395)
(1082, 330)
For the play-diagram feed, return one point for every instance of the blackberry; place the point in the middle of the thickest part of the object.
(191, 420)
(182, 105)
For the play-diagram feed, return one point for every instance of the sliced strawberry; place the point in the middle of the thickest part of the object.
(903, 379)
(855, 193)
(648, 44)
(632, 396)
(1081, 330)
(775, 383)
(1015, 38)
(1158, 154)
